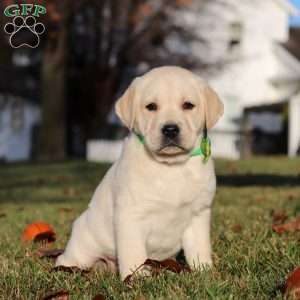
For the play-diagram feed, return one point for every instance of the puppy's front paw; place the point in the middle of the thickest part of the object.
(62, 260)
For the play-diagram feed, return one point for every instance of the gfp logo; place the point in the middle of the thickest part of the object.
(24, 30)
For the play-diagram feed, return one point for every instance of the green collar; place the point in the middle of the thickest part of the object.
(204, 148)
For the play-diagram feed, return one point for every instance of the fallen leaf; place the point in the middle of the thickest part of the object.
(292, 285)
(3, 215)
(158, 266)
(279, 216)
(167, 264)
(48, 237)
(236, 228)
(287, 227)
(38, 231)
(58, 295)
(128, 279)
(99, 297)
(49, 253)
(141, 298)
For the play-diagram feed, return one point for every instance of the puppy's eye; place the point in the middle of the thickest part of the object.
(152, 106)
(188, 105)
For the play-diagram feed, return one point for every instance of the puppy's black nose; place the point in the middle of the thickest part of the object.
(170, 131)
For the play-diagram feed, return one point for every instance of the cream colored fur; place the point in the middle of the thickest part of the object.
(153, 201)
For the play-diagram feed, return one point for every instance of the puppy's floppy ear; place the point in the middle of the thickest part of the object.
(125, 107)
(213, 107)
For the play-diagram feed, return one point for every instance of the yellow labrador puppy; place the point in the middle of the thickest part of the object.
(156, 199)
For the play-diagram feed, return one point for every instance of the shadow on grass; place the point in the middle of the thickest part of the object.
(51, 175)
(243, 180)
(75, 181)
(52, 183)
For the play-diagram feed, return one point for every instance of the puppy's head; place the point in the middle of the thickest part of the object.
(169, 106)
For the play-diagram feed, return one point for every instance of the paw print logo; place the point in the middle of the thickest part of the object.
(24, 32)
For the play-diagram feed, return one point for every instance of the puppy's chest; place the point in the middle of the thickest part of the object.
(174, 191)
(165, 221)
(169, 202)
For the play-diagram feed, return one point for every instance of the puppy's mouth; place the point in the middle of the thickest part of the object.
(171, 148)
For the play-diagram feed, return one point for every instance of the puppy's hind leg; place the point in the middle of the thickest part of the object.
(82, 250)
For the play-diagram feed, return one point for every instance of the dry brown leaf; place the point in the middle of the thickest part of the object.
(292, 285)
(279, 216)
(237, 228)
(287, 227)
(141, 298)
(49, 253)
(128, 279)
(99, 297)
(58, 295)
(167, 264)
(157, 266)
(48, 237)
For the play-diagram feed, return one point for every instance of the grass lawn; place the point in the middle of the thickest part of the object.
(250, 260)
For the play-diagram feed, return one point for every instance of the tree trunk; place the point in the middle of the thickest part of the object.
(107, 79)
(52, 138)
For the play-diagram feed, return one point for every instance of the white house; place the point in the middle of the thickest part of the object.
(17, 120)
(256, 68)
(244, 41)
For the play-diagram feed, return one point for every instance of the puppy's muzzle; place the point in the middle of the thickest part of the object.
(171, 139)
(170, 131)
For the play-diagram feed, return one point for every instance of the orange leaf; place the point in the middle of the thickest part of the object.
(38, 231)
(287, 227)
(292, 285)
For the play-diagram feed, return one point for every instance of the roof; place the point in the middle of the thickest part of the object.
(288, 6)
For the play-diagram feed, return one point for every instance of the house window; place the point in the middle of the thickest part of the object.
(235, 35)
